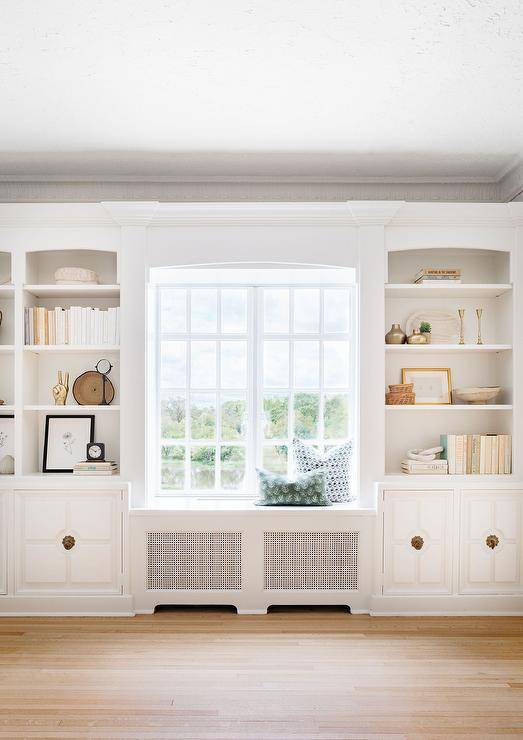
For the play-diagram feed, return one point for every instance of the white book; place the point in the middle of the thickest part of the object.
(451, 453)
(483, 455)
(494, 465)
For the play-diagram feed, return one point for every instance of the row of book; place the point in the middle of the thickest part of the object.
(477, 454)
(439, 276)
(108, 467)
(75, 325)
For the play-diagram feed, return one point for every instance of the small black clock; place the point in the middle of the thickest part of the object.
(96, 452)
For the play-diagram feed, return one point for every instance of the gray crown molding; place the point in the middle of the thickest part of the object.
(249, 190)
(511, 184)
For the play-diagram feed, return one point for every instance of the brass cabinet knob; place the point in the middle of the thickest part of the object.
(68, 542)
(417, 542)
(492, 541)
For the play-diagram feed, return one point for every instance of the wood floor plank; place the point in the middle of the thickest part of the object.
(297, 674)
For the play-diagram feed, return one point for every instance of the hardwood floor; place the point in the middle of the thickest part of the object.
(210, 674)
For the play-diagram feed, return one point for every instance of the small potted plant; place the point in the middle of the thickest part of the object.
(425, 328)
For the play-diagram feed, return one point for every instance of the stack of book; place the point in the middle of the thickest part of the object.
(75, 325)
(433, 276)
(418, 467)
(477, 454)
(108, 467)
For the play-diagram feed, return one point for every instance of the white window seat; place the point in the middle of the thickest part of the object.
(196, 504)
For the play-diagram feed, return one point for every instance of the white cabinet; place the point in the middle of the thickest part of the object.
(3, 542)
(68, 542)
(417, 543)
(491, 542)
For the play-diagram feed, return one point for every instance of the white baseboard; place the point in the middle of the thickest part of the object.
(487, 605)
(66, 606)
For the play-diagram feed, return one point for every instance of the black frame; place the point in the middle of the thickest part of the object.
(45, 469)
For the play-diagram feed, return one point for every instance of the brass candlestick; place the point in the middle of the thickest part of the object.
(479, 311)
(461, 312)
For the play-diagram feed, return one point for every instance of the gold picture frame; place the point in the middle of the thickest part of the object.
(427, 386)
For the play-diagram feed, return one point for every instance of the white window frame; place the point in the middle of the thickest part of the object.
(255, 337)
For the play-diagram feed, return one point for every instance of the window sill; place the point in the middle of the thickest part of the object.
(246, 504)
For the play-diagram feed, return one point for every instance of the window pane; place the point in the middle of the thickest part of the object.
(306, 364)
(173, 467)
(173, 303)
(203, 309)
(234, 364)
(336, 310)
(276, 364)
(173, 416)
(275, 459)
(233, 467)
(275, 416)
(234, 417)
(306, 413)
(336, 416)
(276, 310)
(173, 364)
(336, 364)
(306, 310)
(202, 467)
(234, 310)
(203, 364)
(203, 416)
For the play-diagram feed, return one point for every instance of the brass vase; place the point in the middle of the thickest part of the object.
(417, 338)
(396, 335)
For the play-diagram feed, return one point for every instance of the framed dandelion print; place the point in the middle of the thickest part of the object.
(65, 441)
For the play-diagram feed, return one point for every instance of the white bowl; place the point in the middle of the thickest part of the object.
(477, 394)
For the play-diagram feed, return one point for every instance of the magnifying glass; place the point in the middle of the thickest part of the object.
(103, 367)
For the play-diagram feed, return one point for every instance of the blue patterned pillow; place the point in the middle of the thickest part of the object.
(336, 464)
(305, 490)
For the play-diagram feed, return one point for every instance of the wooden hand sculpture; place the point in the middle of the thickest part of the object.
(61, 389)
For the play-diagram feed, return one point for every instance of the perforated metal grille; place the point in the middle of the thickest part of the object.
(194, 560)
(310, 560)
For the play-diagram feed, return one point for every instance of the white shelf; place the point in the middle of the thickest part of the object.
(445, 348)
(6, 407)
(449, 407)
(72, 407)
(463, 290)
(450, 479)
(73, 291)
(61, 348)
(7, 290)
(7, 348)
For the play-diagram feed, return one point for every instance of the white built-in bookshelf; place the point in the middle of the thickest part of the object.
(487, 284)
(28, 372)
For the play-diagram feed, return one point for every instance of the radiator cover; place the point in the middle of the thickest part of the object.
(194, 560)
(310, 561)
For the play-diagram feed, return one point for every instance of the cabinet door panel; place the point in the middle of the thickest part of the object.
(91, 563)
(92, 521)
(44, 517)
(417, 544)
(44, 564)
(491, 544)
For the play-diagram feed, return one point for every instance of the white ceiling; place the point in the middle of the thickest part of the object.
(363, 88)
